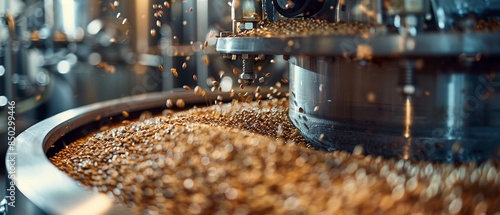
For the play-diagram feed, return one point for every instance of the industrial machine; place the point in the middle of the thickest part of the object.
(412, 79)
(407, 79)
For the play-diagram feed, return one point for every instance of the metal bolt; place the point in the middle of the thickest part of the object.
(248, 74)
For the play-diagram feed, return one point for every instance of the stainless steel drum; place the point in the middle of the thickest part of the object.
(454, 114)
(52, 190)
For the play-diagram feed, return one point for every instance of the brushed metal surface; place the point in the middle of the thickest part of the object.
(390, 45)
(454, 115)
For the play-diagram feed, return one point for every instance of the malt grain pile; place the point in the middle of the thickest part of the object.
(247, 158)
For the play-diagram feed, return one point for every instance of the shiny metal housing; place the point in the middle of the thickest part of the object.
(429, 45)
(454, 115)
